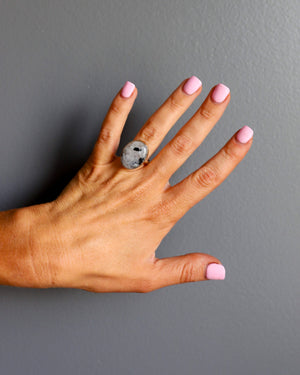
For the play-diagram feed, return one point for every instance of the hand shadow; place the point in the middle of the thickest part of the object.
(72, 151)
(69, 157)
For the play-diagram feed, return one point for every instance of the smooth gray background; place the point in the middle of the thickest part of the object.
(62, 62)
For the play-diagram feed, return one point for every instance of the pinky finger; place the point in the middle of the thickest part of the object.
(113, 124)
(203, 181)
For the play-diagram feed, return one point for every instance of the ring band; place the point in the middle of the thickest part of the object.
(134, 154)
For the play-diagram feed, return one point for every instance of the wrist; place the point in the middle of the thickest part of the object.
(22, 262)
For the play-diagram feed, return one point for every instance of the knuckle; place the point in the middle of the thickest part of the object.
(150, 131)
(138, 192)
(105, 136)
(174, 105)
(205, 113)
(87, 173)
(181, 145)
(205, 177)
(229, 153)
(115, 108)
(189, 271)
(163, 214)
(158, 211)
(157, 174)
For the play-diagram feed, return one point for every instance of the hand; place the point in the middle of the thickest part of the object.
(102, 232)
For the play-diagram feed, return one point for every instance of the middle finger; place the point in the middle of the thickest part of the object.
(158, 125)
(192, 134)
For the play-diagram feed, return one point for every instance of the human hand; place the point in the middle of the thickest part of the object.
(102, 231)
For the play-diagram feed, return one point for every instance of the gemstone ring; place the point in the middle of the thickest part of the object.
(134, 154)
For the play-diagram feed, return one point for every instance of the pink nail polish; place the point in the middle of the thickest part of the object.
(127, 89)
(215, 271)
(192, 85)
(244, 134)
(220, 93)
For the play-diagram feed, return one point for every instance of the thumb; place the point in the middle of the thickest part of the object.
(187, 268)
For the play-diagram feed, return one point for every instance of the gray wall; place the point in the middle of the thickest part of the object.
(62, 62)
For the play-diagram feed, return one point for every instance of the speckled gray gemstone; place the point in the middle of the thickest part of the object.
(134, 154)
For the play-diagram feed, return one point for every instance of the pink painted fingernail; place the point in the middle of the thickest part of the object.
(192, 85)
(244, 134)
(220, 93)
(215, 271)
(127, 89)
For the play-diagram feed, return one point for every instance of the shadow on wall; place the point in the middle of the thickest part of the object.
(66, 160)
(71, 154)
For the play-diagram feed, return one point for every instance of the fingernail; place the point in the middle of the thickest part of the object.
(220, 93)
(192, 85)
(244, 134)
(215, 271)
(127, 89)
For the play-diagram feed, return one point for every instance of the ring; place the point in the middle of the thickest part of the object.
(134, 154)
